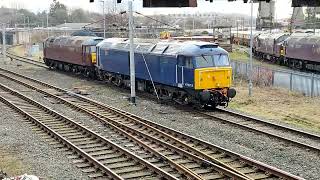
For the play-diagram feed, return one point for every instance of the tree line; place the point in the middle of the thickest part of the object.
(58, 14)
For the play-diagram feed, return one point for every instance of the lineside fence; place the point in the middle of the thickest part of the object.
(305, 83)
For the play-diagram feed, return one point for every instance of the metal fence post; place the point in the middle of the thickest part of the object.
(234, 71)
(291, 83)
(312, 85)
(247, 74)
(259, 69)
(272, 78)
(4, 41)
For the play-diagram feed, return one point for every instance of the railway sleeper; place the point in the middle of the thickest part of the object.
(108, 156)
(67, 131)
(87, 139)
(226, 159)
(88, 170)
(70, 135)
(93, 149)
(247, 169)
(74, 137)
(73, 156)
(129, 169)
(122, 165)
(138, 175)
(200, 170)
(258, 175)
(96, 175)
(213, 176)
(120, 160)
(100, 152)
(94, 143)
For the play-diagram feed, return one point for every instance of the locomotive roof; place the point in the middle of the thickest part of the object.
(166, 47)
(271, 35)
(304, 38)
(74, 40)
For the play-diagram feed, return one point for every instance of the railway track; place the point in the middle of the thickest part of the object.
(106, 160)
(25, 60)
(180, 164)
(296, 137)
(201, 159)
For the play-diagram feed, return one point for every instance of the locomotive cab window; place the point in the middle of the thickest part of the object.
(184, 61)
(217, 60)
(87, 49)
(93, 49)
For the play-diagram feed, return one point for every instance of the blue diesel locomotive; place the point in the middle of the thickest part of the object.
(188, 72)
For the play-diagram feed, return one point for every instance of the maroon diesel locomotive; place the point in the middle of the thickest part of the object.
(299, 51)
(72, 53)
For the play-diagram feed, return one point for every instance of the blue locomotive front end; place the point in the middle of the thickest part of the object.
(187, 72)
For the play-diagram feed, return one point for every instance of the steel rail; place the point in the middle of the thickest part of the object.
(26, 60)
(171, 132)
(249, 123)
(63, 139)
(297, 131)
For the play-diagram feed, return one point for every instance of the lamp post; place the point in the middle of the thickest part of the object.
(48, 24)
(28, 22)
(251, 45)
(104, 18)
(132, 64)
(237, 28)
(4, 42)
(65, 27)
(314, 20)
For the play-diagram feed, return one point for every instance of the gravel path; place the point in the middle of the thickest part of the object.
(258, 147)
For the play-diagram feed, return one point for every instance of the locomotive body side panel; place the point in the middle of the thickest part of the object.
(304, 47)
(270, 44)
(75, 50)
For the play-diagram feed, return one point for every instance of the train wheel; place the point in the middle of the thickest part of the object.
(185, 100)
(74, 70)
(118, 81)
(55, 65)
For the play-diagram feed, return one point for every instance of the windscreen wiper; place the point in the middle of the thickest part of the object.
(219, 57)
(204, 58)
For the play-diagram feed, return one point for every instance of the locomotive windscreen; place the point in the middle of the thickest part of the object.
(217, 60)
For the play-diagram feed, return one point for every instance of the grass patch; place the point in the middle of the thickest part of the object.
(293, 119)
(278, 104)
(239, 56)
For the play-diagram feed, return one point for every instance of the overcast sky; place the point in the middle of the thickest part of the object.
(283, 7)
